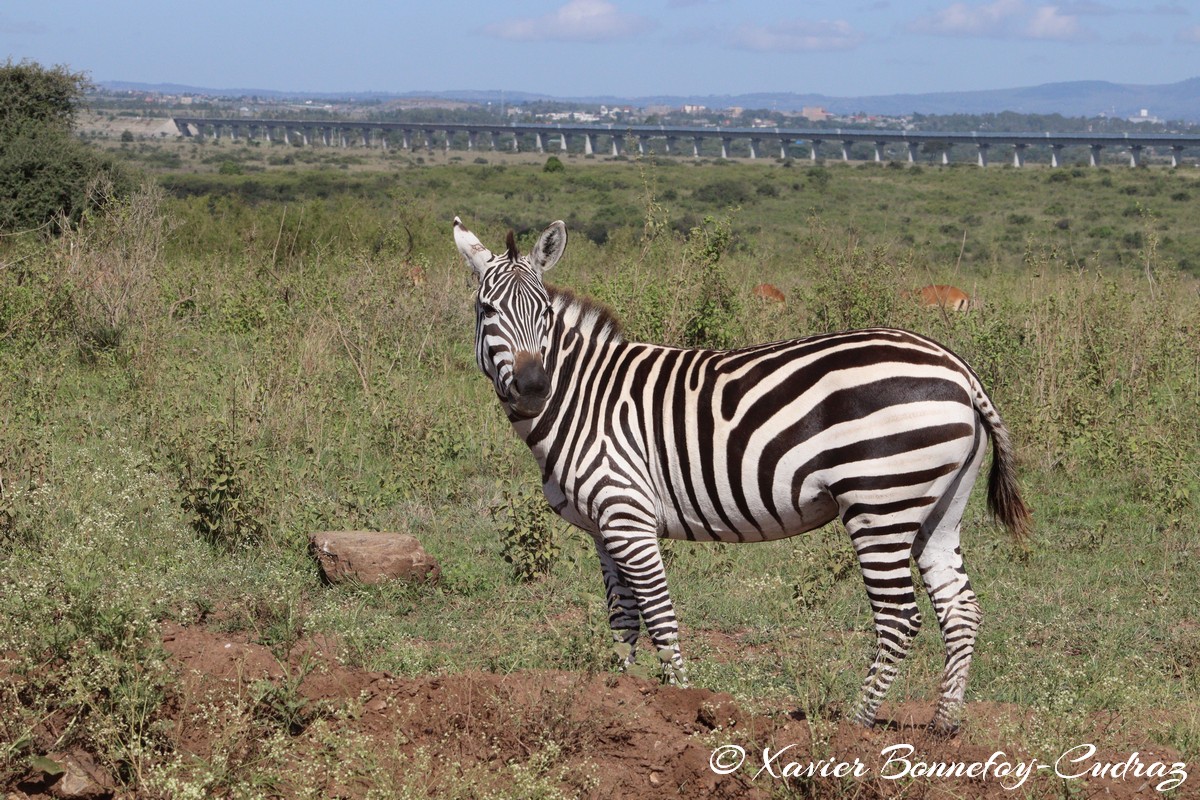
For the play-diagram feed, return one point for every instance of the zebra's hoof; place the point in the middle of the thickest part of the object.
(943, 728)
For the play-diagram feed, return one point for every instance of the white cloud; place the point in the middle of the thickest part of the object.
(798, 36)
(577, 21)
(964, 19)
(1010, 19)
(1048, 22)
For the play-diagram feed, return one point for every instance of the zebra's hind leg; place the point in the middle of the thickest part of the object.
(959, 617)
(940, 560)
(884, 554)
(624, 619)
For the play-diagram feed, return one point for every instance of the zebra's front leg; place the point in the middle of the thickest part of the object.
(624, 619)
(638, 565)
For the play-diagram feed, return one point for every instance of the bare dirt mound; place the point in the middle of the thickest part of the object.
(596, 736)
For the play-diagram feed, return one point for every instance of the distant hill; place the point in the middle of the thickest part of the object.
(1174, 101)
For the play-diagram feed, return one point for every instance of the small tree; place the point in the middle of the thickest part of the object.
(31, 94)
(45, 172)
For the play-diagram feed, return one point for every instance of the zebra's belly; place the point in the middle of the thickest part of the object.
(754, 524)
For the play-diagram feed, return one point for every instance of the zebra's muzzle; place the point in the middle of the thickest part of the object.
(530, 387)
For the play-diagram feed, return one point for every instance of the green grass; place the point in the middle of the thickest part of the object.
(274, 318)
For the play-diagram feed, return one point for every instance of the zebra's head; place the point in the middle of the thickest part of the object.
(513, 315)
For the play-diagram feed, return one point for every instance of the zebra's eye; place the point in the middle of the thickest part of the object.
(487, 310)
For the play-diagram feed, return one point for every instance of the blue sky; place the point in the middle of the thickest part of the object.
(611, 47)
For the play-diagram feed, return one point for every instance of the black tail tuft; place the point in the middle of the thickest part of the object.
(1004, 493)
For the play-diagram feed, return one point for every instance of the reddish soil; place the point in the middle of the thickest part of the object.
(619, 736)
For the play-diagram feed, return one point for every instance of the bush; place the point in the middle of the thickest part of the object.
(713, 323)
(553, 164)
(724, 192)
(45, 178)
(34, 95)
(225, 506)
(45, 172)
(527, 533)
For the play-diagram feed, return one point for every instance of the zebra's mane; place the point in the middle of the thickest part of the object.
(588, 316)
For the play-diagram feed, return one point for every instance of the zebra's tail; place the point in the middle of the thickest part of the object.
(1004, 493)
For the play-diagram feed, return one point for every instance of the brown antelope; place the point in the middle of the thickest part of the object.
(950, 298)
(769, 293)
(416, 274)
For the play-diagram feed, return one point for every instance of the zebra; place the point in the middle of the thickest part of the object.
(883, 428)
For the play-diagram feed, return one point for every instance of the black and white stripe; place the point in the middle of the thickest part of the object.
(882, 428)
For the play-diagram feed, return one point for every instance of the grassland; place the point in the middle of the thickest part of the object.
(196, 380)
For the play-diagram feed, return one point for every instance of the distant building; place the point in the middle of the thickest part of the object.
(815, 113)
(694, 109)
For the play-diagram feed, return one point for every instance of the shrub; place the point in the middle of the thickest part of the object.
(526, 533)
(724, 192)
(715, 310)
(34, 95)
(45, 175)
(109, 260)
(45, 172)
(553, 164)
(225, 506)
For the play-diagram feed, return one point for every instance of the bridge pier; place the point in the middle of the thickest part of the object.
(695, 147)
(878, 152)
(1176, 155)
(1056, 155)
(783, 148)
(1019, 155)
(1094, 155)
(814, 143)
(755, 144)
(1135, 155)
(538, 144)
(913, 149)
(983, 153)
(563, 144)
(725, 142)
(846, 150)
(589, 148)
(618, 145)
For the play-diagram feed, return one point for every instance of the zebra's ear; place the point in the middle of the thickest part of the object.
(477, 256)
(550, 246)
